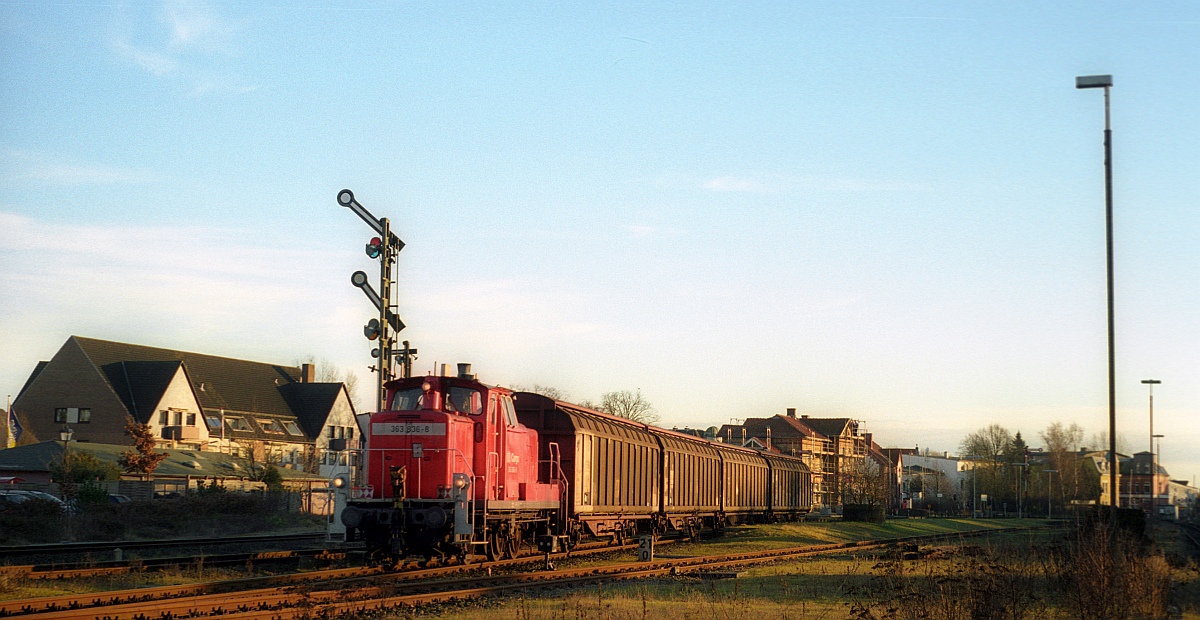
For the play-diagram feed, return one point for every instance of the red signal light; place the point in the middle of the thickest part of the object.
(374, 247)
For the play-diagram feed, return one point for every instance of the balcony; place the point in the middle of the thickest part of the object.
(181, 433)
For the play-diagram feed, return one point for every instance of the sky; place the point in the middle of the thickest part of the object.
(889, 211)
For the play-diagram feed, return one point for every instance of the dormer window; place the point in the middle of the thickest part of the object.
(238, 424)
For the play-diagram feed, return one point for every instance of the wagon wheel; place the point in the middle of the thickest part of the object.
(495, 546)
(512, 546)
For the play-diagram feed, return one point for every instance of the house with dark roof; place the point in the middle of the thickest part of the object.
(829, 446)
(191, 401)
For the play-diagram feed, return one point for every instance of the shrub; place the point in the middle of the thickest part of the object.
(32, 521)
(863, 512)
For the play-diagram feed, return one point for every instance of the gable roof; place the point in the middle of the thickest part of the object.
(140, 385)
(37, 370)
(829, 427)
(311, 402)
(218, 382)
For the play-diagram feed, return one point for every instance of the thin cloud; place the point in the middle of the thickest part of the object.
(847, 185)
(856, 185)
(640, 230)
(195, 24)
(181, 45)
(152, 62)
(45, 169)
(734, 184)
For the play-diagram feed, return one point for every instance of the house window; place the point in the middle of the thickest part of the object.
(72, 415)
(271, 426)
(177, 418)
(292, 428)
(191, 419)
(349, 432)
(214, 422)
(238, 424)
(162, 418)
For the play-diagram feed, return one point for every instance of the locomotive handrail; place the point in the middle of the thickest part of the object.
(458, 456)
(563, 492)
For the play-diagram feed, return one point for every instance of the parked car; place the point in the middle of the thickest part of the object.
(11, 497)
(114, 498)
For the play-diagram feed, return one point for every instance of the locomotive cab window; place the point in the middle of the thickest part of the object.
(510, 414)
(412, 399)
(464, 400)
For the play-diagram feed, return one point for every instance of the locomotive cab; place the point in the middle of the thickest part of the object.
(450, 471)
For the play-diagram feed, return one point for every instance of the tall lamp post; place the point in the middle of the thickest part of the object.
(1150, 383)
(1106, 82)
(1155, 457)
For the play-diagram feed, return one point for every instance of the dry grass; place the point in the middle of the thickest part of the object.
(1014, 577)
(194, 572)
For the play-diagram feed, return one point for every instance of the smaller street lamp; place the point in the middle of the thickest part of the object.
(65, 435)
(1019, 476)
(1049, 510)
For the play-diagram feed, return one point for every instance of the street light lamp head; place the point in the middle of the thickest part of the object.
(66, 433)
(1151, 381)
(1093, 81)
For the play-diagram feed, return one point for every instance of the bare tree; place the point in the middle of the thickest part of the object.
(988, 443)
(544, 390)
(328, 372)
(628, 405)
(1062, 444)
(1100, 442)
(865, 483)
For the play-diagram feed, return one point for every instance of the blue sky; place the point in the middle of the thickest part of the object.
(887, 211)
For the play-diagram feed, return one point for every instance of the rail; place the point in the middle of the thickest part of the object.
(331, 596)
(90, 547)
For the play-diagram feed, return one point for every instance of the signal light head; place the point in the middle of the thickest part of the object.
(345, 197)
(371, 329)
(374, 247)
(358, 279)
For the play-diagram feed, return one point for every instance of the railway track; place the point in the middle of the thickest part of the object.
(98, 569)
(90, 548)
(348, 591)
(1192, 533)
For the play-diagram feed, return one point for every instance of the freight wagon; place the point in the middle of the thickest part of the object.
(455, 467)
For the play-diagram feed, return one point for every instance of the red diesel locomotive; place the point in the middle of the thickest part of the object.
(455, 467)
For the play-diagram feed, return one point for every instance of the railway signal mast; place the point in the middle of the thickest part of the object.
(384, 248)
